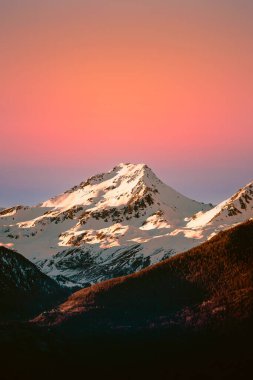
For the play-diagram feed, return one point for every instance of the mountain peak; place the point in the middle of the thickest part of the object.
(129, 165)
(130, 168)
(119, 182)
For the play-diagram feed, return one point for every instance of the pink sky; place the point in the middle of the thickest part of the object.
(85, 85)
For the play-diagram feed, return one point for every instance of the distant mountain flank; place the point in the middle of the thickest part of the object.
(24, 290)
(114, 224)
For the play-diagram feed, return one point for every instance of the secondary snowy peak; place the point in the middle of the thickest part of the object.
(236, 209)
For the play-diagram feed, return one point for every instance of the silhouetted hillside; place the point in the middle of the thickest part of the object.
(24, 289)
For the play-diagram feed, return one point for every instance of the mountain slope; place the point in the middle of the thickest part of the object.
(24, 290)
(206, 285)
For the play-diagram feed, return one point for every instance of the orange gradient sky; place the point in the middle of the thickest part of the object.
(85, 85)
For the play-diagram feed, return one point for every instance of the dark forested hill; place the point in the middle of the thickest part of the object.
(24, 289)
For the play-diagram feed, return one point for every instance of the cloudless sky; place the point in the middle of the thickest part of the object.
(86, 84)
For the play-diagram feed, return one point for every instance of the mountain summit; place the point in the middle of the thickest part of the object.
(110, 225)
(125, 185)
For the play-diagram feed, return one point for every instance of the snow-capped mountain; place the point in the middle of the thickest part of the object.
(112, 224)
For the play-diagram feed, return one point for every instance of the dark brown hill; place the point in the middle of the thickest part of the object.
(205, 286)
